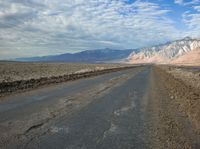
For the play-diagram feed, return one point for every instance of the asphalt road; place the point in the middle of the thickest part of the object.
(102, 112)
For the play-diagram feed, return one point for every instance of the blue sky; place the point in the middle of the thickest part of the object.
(36, 28)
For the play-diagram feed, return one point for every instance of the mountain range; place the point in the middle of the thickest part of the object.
(185, 51)
(88, 56)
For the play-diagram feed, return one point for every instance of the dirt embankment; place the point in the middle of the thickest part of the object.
(24, 76)
(184, 91)
(173, 112)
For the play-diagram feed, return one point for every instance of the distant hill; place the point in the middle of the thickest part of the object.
(185, 51)
(89, 56)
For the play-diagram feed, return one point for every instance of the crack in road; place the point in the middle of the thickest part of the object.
(63, 107)
(130, 109)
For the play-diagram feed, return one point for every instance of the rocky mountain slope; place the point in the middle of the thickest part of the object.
(192, 57)
(182, 51)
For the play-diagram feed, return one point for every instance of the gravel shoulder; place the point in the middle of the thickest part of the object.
(174, 106)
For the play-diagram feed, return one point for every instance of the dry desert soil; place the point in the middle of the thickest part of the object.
(21, 76)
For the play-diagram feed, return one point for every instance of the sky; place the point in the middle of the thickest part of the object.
(48, 27)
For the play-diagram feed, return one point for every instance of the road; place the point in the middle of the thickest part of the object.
(110, 111)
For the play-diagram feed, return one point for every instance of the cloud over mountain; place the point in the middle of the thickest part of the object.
(34, 27)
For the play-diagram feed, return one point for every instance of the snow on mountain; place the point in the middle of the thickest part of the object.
(165, 53)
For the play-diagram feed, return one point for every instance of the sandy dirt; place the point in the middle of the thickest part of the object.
(172, 121)
(180, 114)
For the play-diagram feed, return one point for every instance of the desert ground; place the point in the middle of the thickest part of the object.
(21, 76)
(148, 106)
(14, 71)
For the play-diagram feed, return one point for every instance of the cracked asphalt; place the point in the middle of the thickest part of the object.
(114, 121)
(109, 111)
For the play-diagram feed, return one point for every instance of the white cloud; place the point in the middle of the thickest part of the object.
(58, 26)
(178, 1)
(197, 8)
(193, 2)
(192, 20)
(187, 3)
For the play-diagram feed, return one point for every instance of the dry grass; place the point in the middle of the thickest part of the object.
(189, 75)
